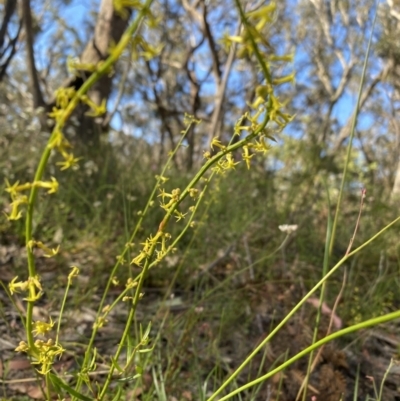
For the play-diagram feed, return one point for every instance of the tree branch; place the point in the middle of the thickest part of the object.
(220, 93)
(345, 131)
(213, 46)
(13, 46)
(9, 9)
(38, 100)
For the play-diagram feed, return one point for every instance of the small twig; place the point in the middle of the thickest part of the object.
(363, 193)
(331, 319)
(314, 364)
(121, 90)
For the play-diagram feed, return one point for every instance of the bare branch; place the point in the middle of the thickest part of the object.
(343, 81)
(9, 9)
(324, 18)
(220, 93)
(109, 29)
(201, 19)
(13, 46)
(38, 100)
(323, 74)
(191, 9)
(345, 131)
(213, 46)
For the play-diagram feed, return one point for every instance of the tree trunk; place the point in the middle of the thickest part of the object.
(395, 195)
(109, 29)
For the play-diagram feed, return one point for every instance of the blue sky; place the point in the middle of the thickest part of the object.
(78, 13)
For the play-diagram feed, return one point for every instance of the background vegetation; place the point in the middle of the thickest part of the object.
(235, 274)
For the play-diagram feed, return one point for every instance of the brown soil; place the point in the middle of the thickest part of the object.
(196, 335)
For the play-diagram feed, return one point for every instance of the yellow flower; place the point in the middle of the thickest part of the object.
(164, 194)
(74, 273)
(261, 146)
(138, 260)
(264, 14)
(263, 91)
(101, 321)
(47, 352)
(258, 102)
(33, 285)
(246, 156)
(96, 110)
(230, 162)
(287, 58)
(34, 297)
(179, 215)
(48, 253)
(160, 255)
(120, 7)
(236, 39)
(286, 79)
(56, 113)
(106, 309)
(151, 51)
(14, 189)
(41, 328)
(70, 161)
(17, 287)
(52, 185)
(161, 178)
(15, 213)
(130, 283)
(35, 281)
(58, 140)
(216, 142)
(22, 347)
(194, 193)
(73, 64)
(63, 96)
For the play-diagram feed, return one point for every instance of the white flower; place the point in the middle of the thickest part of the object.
(288, 228)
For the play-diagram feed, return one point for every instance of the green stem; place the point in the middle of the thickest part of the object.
(304, 385)
(259, 57)
(350, 145)
(129, 321)
(161, 230)
(124, 253)
(297, 307)
(363, 325)
(93, 78)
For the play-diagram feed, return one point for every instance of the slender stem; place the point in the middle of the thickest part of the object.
(101, 70)
(249, 29)
(128, 323)
(161, 230)
(363, 325)
(125, 251)
(353, 128)
(297, 307)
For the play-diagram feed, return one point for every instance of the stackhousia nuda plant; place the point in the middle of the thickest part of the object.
(252, 134)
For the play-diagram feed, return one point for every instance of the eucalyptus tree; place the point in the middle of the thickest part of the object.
(189, 67)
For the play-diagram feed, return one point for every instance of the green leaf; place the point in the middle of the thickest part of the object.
(118, 395)
(116, 365)
(146, 333)
(58, 383)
